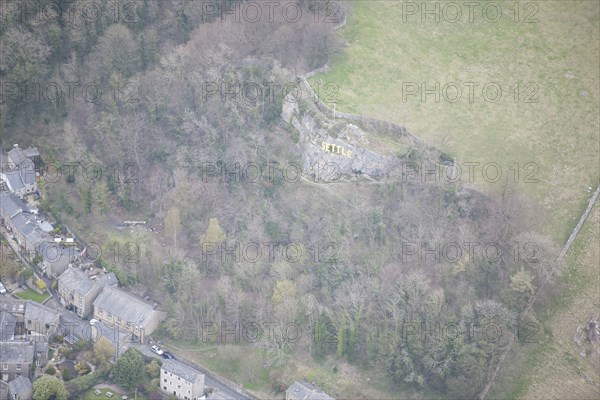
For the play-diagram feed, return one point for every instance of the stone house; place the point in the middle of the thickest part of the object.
(181, 381)
(125, 311)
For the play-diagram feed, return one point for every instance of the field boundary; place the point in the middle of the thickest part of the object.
(560, 257)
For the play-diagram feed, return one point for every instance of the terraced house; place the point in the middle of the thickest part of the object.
(78, 291)
(41, 319)
(119, 308)
(18, 170)
(16, 359)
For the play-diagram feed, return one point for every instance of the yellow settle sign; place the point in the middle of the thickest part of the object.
(336, 149)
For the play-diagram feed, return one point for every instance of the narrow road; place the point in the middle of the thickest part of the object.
(81, 329)
(210, 380)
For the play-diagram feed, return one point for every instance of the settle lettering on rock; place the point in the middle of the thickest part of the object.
(336, 149)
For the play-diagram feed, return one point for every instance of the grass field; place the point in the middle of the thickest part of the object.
(245, 365)
(32, 295)
(554, 367)
(552, 121)
(556, 57)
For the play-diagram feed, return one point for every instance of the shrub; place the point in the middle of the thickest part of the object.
(82, 368)
(66, 374)
(51, 370)
(40, 284)
(79, 385)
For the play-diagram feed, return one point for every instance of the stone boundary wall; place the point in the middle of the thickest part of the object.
(560, 257)
(367, 122)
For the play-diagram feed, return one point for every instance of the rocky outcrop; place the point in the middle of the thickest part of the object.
(344, 155)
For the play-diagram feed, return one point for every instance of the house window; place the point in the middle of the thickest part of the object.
(5, 366)
(18, 367)
(164, 387)
(100, 312)
(109, 315)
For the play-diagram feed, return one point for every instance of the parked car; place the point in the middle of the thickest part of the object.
(157, 350)
(2, 288)
(93, 321)
(168, 355)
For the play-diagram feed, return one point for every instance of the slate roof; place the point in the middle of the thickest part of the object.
(41, 346)
(13, 178)
(21, 387)
(45, 226)
(31, 152)
(23, 224)
(16, 156)
(53, 253)
(38, 312)
(75, 280)
(37, 235)
(109, 279)
(306, 391)
(3, 390)
(13, 306)
(12, 352)
(8, 322)
(27, 174)
(180, 369)
(125, 306)
(11, 205)
(22, 157)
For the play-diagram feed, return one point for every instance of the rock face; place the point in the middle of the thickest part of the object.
(334, 157)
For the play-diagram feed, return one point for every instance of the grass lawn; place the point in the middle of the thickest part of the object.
(90, 395)
(29, 294)
(556, 128)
